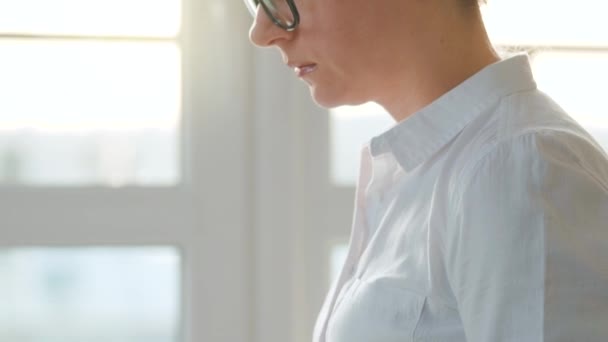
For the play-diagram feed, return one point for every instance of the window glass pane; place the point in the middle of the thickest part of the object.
(576, 81)
(547, 22)
(87, 112)
(159, 18)
(350, 128)
(338, 257)
(90, 294)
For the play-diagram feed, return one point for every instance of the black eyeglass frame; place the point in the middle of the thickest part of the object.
(276, 21)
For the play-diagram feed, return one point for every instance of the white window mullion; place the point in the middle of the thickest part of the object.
(218, 125)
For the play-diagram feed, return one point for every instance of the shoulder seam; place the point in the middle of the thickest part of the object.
(468, 170)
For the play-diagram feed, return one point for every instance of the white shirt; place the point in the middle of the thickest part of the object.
(481, 218)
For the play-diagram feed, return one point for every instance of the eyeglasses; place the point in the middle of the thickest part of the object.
(282, 12)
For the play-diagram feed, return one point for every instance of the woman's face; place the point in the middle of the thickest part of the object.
(346, 50)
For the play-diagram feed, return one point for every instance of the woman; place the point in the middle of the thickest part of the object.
(482, 215)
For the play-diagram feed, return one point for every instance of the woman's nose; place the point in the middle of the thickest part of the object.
(264, 32)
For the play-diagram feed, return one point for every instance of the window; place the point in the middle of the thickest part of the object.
(101, 294)
(351, 127)
(338, 257)
(90, 95)
(111, 115)
(91, 92)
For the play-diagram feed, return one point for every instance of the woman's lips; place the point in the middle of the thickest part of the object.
(304, 70)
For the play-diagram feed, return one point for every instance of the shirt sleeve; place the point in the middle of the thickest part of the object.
(527, 253)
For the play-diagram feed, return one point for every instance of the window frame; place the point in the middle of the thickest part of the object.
(207, 216)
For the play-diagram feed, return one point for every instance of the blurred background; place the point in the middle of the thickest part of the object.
(163, 181)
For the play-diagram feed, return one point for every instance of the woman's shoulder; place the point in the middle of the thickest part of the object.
(520, 129)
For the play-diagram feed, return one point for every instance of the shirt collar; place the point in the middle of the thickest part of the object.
(422, 134)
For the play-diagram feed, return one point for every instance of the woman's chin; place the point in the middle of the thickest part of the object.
(327, 99)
